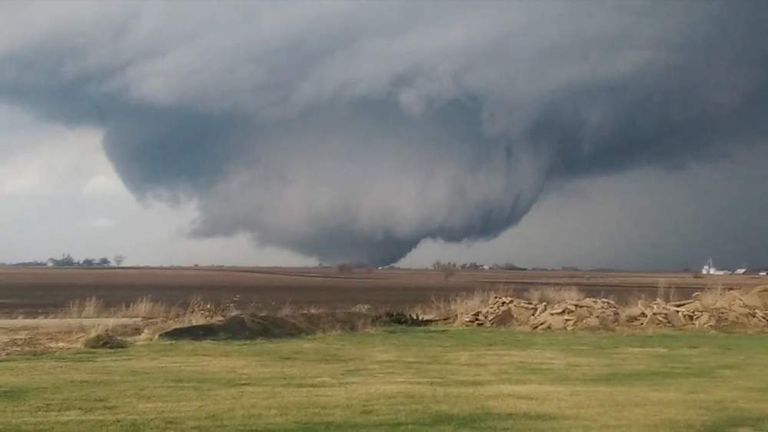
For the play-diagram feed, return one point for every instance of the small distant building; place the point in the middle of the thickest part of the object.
(763, 273)
(740, 271)
(710, 269)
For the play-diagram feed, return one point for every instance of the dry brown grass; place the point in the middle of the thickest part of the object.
(451, 309)
(157, 317)
(194, 311)
(554, 294)
(665, 291)
(709, 297)
(94, 307)
(756, 297)
(289, 309)
(91, 307)
(104, 339)
(146, 307)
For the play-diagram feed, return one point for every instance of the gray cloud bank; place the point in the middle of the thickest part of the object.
(352, 131)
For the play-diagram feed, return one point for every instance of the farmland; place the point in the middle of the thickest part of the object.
(32, 292)
(378, 377)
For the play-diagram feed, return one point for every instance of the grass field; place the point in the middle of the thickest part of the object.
(414, 379)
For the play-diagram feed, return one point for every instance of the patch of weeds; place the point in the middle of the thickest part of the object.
(105, 340)
(401, 319)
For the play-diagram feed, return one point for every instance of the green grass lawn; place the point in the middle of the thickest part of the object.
(415, 379)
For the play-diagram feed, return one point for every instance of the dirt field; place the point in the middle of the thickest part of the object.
(31, 292)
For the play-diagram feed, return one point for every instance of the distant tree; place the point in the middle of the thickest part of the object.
(471, 266)
(66, 260)
(25, 264)
(104, 261)
(87, 262)
(449, 265)
(448, 268)
(119, 259)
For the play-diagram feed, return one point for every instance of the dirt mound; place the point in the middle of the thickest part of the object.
(239, 327)
(254, 326)
(714, 309)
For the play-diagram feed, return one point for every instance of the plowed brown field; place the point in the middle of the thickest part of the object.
(38, 291)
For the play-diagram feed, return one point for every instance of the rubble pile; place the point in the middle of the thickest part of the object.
(589, 313)
(745, 309)
(730, 309)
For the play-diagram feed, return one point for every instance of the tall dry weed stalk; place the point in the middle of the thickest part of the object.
(195, 310)
(146, 307)
(665, 292)
(91, 307)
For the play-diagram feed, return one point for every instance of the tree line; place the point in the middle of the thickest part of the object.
(67, 260)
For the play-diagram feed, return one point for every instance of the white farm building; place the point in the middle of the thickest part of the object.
(710, 269)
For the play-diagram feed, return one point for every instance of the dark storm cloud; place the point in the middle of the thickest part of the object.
(351, 131)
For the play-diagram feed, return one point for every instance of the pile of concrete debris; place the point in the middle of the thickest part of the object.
(589, 313)
(746, 309)
(729, 309)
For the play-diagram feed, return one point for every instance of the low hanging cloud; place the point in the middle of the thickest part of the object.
(353, 131)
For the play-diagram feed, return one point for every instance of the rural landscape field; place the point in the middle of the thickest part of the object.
(343, 370)
(38, 291)
(341, 215)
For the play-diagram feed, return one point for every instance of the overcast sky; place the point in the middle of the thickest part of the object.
(591, 134)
